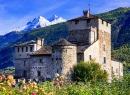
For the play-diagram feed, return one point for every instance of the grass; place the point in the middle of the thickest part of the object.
(60, 87)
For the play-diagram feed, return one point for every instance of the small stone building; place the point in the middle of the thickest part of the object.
(89, 37)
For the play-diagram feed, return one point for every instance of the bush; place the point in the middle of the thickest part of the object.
(89, 71)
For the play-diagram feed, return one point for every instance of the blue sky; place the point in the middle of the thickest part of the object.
(16, 13)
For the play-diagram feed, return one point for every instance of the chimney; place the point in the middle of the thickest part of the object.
(86, 13)
(40, 41)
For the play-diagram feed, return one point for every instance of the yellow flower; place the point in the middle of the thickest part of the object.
(59, 87)
(10, 77)
(3, 88)
(8, 83)
(35, 87)
(61, 77)
(23, 82)
(45, 93)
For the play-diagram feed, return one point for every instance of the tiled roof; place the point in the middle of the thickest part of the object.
(90, 17)
(81, 49)
(42, 51)
(64, 43)
(115, 60)
(27, 43)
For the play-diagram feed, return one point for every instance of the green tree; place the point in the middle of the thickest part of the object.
(89, 71)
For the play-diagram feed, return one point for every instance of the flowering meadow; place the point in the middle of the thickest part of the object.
(58, 86)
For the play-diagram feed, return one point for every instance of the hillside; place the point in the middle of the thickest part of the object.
(9, 38)
(120, 19)
(51, 34)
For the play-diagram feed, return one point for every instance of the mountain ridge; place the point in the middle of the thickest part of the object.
(120, 53)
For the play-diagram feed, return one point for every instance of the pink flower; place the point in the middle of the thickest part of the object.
(57, 83)
(56, 74)
(33, 93)
(24, 88)
(3, 76)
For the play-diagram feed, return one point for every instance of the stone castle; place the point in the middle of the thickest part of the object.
(89, 37)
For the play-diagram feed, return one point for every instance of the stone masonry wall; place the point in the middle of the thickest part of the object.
(63, 60)
(40, 64)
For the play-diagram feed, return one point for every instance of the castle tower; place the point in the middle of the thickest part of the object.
(96, 33)
(63, 58)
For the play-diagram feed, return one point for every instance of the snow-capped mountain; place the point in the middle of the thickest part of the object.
(39, 22)
(55, 19)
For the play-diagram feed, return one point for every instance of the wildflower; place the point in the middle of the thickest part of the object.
(0, 78)
(13, 82)
(24, 88)
(8, 83)
(3, 76)
(45, 93)
(61, 77)
(51, 94)
(23, 82)
(62, 82)
(59, 87)
(16, 91)
(34, 83)
(1, 83)
(33, 93)
(57, 83)
(56, 74)
(36, 91)
(41, 89)
(3, 88)
(10, 77)
(28, 83)
(57, 79)
(35, 87)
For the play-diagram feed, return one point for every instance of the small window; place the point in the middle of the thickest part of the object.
(31, 49)
(25, 63)
(52, 59)
(26, 49)
(102, 22)
(22, 49)
(89, 57)
(88, 21)
(53, 51)
(18, 49)
(39, 73)
(103, 47)
(116, 70)
(25, 73)
(111, 68)
(76, 21)
(102, 33)
(106, 23)
(40, 60)
(57, 70)
(104, 59)
(61, 68)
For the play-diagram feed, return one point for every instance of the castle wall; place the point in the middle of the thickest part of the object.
(21, 67)
(105, 51)
(24, 53)
(40, 67)
(92, 51)
(63, 60)
(117, 68)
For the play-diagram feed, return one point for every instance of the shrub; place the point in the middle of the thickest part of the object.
(89, 71)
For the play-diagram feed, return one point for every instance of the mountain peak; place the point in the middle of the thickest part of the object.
(39, 22)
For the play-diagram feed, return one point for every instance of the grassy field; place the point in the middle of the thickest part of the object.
(8, 71)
